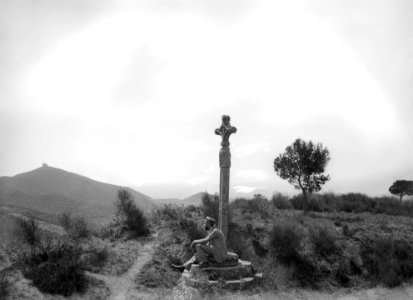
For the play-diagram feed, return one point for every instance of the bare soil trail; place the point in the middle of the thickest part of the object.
(122, 287)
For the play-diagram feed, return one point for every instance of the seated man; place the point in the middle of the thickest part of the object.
(209, 249)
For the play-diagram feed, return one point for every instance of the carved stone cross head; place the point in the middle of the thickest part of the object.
(225, 130)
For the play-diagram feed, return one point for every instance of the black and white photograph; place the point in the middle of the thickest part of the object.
(206, 149)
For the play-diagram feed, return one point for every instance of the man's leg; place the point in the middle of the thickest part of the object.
(186, 265)
(204, 253)
(189, 263)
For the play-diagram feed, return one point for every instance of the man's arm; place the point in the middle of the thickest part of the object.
(204, 240)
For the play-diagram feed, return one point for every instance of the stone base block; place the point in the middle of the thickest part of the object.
(232, 277)
(240, 270)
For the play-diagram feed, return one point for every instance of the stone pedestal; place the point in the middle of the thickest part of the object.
(238, 277)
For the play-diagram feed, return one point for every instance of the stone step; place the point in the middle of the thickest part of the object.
(242, 270)
(235, 284)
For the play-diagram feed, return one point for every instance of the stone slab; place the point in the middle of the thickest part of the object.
(241, 270)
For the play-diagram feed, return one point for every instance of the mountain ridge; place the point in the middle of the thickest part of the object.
(52, 190)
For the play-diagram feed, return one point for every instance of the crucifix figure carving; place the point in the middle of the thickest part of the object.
(225, 164)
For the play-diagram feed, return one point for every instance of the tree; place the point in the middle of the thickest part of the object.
(129, 216)
(303, 164)
(402, 188)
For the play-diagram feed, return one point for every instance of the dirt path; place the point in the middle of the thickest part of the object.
(122, 287)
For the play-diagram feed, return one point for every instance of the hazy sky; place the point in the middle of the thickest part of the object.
(130, 92)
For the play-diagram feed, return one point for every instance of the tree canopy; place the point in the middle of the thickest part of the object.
(303, 164)
(402, 188)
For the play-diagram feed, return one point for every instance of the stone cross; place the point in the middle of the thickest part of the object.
(224, 163)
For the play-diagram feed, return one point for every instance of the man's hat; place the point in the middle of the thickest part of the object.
(210, 220)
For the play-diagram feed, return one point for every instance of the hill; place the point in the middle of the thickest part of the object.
(166, 201)
(52, 191)
(195, 199)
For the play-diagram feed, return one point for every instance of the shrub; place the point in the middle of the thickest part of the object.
(4, 285)
(110, 231)
(316, 204)
(355, 202)
(191, 229)
(259, 204)
(281, 201)
(76, 227)
(57, 269)
(129, 216)
(167, 212)
(79, 229)
(387, 261)
(210, 206)
(343, 272)
(285, 241)
(307, 271)
(297, 202)
(259, 249)
(236, 241)
(65, 220)
(96, 258)
(324, 241)
(27, 229)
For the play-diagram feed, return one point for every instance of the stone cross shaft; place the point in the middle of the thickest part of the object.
(225, 164)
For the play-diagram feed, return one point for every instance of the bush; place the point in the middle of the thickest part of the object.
(281, 201)
(355, 202)
(4, 285)
(129, 216)
(352, 202)
(76, 227)
(388, 261)
(324, 241)
(259, 204)
(27, 229)
(111, 231)
(191, 229)
(285, 241)
(57, 269)
(80, 229)
(167, 212)
(285, 244)
(297, 202)
(65, 220)
(95, 258)
(236, 242)
(210, 206)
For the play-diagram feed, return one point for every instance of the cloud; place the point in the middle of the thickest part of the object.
(243, 189)
(255, 174)
(249, 149)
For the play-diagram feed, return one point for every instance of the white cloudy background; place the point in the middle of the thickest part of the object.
(130, 92)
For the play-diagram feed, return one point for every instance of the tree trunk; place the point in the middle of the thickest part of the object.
(305, 202)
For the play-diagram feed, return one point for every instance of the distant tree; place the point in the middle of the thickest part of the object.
(402, 188)
(129, 216)
(303, 164)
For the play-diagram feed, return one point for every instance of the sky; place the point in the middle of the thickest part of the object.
(130, 92)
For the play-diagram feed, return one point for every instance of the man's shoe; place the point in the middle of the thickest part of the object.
(179, 268)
